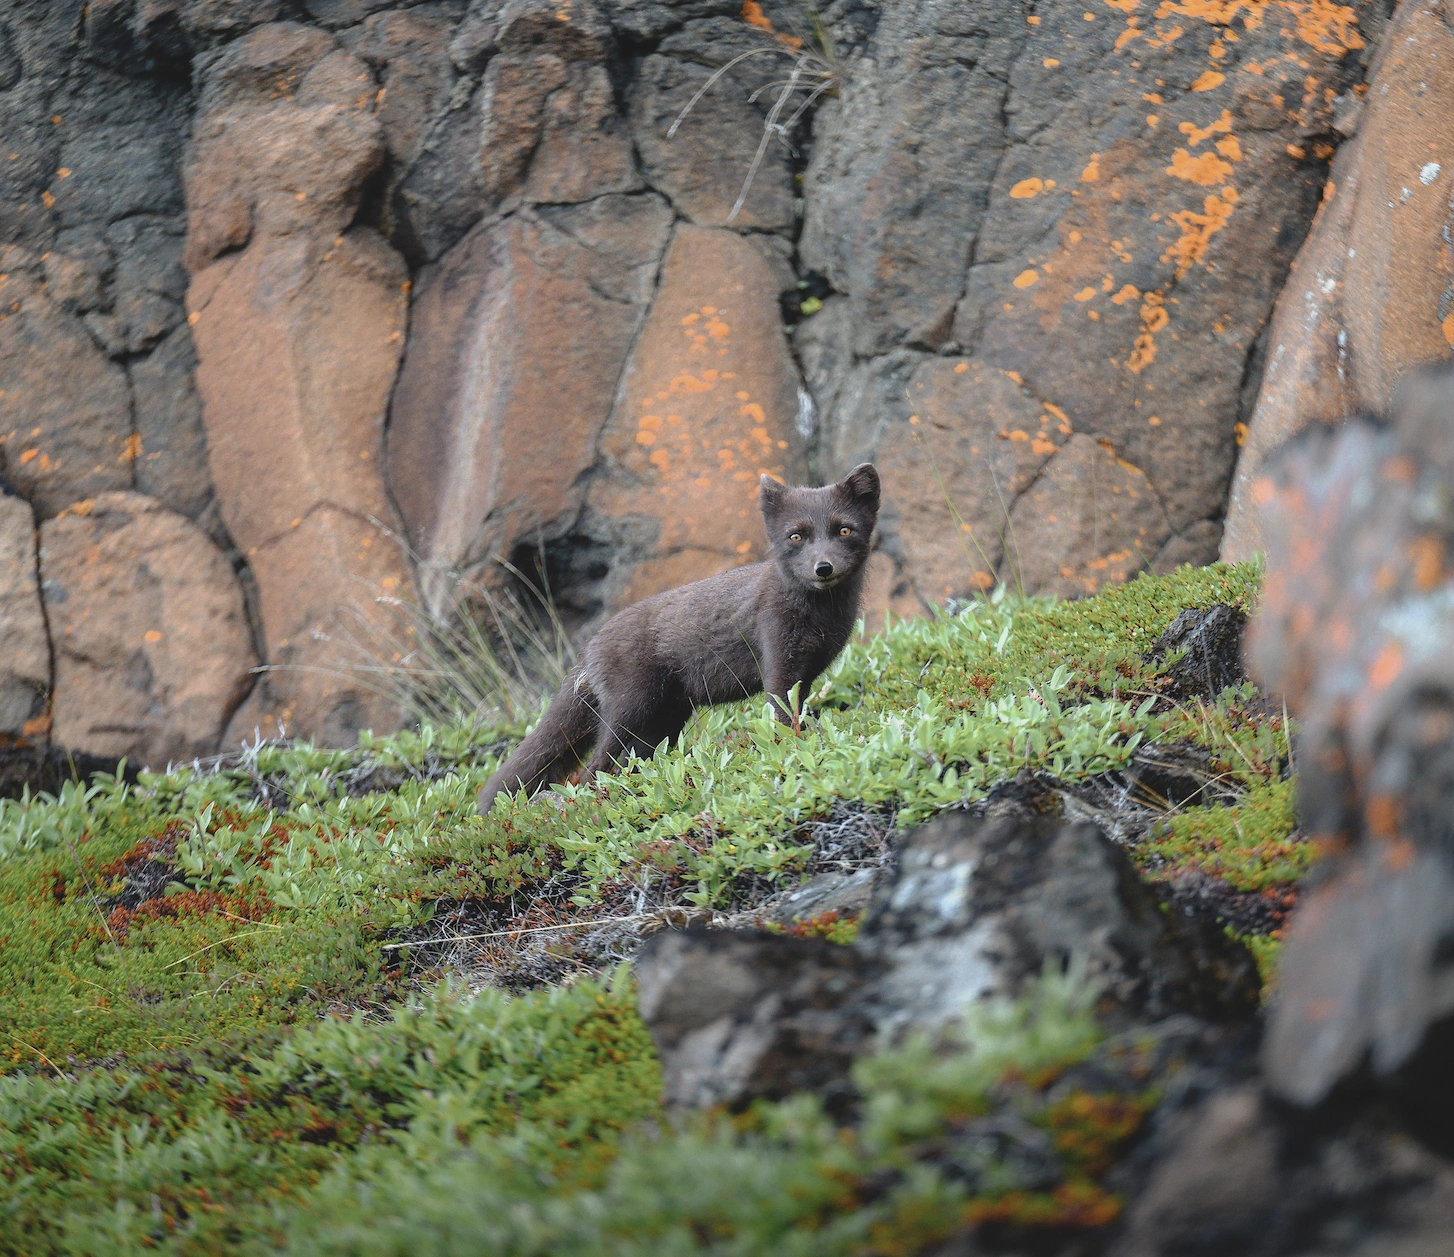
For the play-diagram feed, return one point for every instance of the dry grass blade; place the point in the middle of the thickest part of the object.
(493, 655)
(811, 73)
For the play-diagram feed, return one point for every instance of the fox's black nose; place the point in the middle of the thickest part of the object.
(822, 569)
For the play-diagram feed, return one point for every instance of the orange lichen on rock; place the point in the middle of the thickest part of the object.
(1195, 134)
(1204, 171)
(1328, 27)
(753, 15)
(1217, 12)
(1197, 230)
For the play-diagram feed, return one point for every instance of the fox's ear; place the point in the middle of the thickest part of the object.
(861, 486)
(769, 494)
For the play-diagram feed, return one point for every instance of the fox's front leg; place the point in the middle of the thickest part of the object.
(778, 680)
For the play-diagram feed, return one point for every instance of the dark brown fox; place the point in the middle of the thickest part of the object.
(766, 627)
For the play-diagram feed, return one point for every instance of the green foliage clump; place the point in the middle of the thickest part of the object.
(205, 1152)
(783, 1178)
(84, 977)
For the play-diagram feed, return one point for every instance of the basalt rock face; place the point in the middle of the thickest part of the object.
(1098, 204)
(298, 318)
(394, 298)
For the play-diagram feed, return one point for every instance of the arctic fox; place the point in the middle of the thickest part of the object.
(765, 627)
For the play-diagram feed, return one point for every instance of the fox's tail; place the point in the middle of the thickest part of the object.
(554, 748)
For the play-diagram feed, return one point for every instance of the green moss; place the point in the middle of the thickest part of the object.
(199, 1152)
(1251, 846)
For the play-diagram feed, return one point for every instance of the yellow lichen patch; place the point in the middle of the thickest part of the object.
(1085, 294)
(1207, 80)
(1230, 148)
(1217, 12)
(1025, 278)
(1203, 171)
(753, 15)
(1050, 63)
(1092, 172)
(1195, 134)
(1027, 188)
(1197, 230)
(1153, 318)
(693, 384)
(131, 451)
(1127, 35)
(1126, 6)
(1328, 27)
(1128, 293)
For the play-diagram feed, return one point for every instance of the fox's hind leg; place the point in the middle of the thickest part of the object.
(638, 729)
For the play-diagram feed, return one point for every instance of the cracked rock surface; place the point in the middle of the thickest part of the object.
(386, 295)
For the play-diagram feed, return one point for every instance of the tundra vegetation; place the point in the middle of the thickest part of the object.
(213, 1041)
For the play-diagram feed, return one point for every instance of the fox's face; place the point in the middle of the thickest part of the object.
(820, 537)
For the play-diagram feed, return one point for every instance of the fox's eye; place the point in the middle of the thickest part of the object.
(845, 531)
(795, 536)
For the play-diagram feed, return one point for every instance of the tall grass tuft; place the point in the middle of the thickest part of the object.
(491, 656)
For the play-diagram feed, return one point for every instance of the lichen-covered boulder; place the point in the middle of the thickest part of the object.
(1353, 630)
(152, 647)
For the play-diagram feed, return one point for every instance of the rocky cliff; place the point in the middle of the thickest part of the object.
(313, 305)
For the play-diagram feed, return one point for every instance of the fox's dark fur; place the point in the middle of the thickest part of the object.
(767, 627)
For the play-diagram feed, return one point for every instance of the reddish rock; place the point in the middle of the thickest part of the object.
(152, 648)
(25, 661)
(517, 343)
(298, 338)
(65, 411)
(1373, 290)
(1089, 519)
(709, 402)
(551, 132)
(975, 442)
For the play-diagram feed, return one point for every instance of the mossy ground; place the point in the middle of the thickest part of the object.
(208, 1026)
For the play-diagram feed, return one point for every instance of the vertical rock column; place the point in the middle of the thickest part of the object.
(1373, 290)
(596, 371)
(25, 660)
(299, 320)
